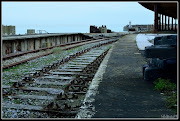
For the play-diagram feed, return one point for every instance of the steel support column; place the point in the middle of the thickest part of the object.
(155, 19)
(159, 22)
(165, 23)
(168, 23)
(172, 24)
(175, 25)
(162, 22)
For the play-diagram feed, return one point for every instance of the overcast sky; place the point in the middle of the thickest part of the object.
(61, 17)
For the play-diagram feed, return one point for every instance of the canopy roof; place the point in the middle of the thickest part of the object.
(165, 8)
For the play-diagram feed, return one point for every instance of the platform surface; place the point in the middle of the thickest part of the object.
(122, 93)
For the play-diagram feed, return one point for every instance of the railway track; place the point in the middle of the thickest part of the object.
(66, 46)
(57, 89)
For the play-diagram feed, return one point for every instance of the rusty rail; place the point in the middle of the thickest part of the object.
(23, 61)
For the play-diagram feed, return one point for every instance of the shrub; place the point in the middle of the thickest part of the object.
(164, 85)
(172, 102)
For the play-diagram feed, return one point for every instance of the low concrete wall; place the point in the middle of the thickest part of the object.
(12, 44)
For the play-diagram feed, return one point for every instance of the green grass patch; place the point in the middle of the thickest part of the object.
(170, 90)
(10, 83)
(57, 50)
(5, 69)
(17, 101)
(14, 67)
(172, 101)
(164, 85)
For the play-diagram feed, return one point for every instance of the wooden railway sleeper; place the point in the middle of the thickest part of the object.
(8, 92)
(18, 84)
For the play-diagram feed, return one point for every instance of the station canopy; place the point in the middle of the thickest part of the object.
(165, 8)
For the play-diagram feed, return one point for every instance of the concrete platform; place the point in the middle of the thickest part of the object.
(122, 92)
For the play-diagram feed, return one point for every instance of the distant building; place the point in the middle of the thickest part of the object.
(30, 31)
(138, 28)
(102, 29)
(41, 31)
(9, 30)
(109, 31)
(94, 29)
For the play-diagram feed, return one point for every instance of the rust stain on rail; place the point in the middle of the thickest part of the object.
(20, 62)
